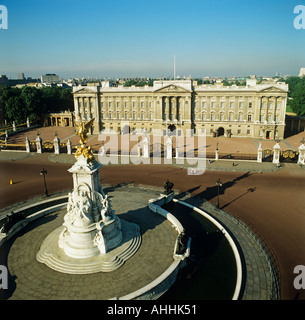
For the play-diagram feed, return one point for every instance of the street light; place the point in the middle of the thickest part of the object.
(219, 184)
(43, 173)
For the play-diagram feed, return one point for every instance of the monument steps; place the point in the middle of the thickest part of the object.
(55, 258)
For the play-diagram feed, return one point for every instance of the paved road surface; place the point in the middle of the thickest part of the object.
(272, 202)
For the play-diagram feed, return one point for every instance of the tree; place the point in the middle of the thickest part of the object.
(32, 98)
(297, 103)
(15, 109)
(292, 82)
(296, 93)
(66, 99)
(130, 83)
(33, 103)
(56, 99)
(141, 84)
(4, 93)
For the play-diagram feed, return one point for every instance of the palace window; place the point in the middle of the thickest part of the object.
(110, 115)
(126, 115)
(248, 132)
(269, 118)
(240, 117)
(222, 104)
(203, 105)
(231, 105)
(213, 104)
(270, 105)
(203, 117)
(250, 105)
(134, 116)
(249, 117)
(231, 117)
(142, 116)
(212, 117)
(262, 118)
(118, 115)
(142, 104)
(241, 105)
(221, 117)
(110, 104)
(126, 104)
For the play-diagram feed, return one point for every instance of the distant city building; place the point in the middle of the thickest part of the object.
(21, 76)
(4, 81)
(50, 78)
(254, 110)
(302, 72)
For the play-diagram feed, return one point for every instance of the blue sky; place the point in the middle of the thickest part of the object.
(97, 38)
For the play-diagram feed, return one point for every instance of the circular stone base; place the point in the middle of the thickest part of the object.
(30, 279)
(55, 258)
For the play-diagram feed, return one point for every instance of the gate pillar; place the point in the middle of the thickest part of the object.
(260, 153)
(276, 154)
(301, 159)
(39, 144)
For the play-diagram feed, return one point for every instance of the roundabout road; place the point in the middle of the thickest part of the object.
(273, 203)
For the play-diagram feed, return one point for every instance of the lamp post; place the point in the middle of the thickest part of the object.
(219, 184)
(43, 173)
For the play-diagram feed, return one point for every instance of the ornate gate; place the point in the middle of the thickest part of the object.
(289, 155)
(268, 155)
(32, 146)
(47, 146)
(63, 147)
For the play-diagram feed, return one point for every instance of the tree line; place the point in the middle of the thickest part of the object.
(18, 104)
(296, 94)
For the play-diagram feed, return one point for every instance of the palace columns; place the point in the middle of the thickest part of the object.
(76, 105)
(158, 106)
(174, 108)
(258, 109)
(166, 107)
(187, 108)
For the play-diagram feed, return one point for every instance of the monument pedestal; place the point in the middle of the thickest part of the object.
(58, 260)
(92, 238)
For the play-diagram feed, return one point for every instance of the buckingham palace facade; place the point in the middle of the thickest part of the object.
(254, 110)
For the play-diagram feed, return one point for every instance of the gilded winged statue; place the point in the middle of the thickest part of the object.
(82, 130)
